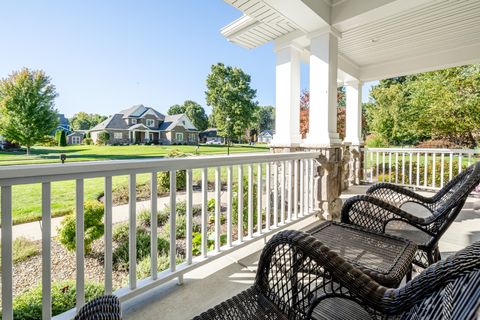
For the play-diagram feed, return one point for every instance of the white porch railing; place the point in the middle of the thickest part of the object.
(420, 168)
(287, 188)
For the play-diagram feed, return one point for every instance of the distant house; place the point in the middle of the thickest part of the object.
(76, 137)
(210, 135)
(140, 124)
(63, 124)
(265, 136)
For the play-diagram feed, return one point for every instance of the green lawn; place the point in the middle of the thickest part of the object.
(26, 199)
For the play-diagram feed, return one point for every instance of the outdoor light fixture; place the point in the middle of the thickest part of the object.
(63, 157)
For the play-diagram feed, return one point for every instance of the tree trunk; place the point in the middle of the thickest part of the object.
(28, 150)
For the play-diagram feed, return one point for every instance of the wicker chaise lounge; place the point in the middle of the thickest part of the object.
(101, 308)
(287, 288)
(382, 210)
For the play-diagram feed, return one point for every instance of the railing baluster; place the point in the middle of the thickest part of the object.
(450, 174)
(108, 234)
(218, 187)
(460, 160)
(282, 195)
(371, 166)
(7, 259)
(396, 167)
(189, 216)
(267, 196)
(410, 172)
(403, 167)
(377, 162)
(295, 190)
(290, 191)
(275, 194)
(240, 203)
(132, 234)
(250, 200)
(389, 167)
(259, 198)
(204, 243)
(442, 169)
(425, 169)
(229, 206)
(383, 166)
(434, 168)
(307, 187)
(80, 244)
(302, 194)
(173, 220)
(312, 168)
(469, 161)
(418, 169)
(46, 252)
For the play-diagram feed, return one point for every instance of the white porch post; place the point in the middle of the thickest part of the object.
(287, 110)
(322, 129)
(354, 113)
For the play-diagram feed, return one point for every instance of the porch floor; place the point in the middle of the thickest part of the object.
(230, 274)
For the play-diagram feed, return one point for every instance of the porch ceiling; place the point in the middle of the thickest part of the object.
(378, 38)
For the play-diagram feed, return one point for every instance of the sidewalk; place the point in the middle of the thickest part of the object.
(33, 230)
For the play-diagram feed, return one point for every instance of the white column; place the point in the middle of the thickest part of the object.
(322, 130)
(353, 125)
(287, 110)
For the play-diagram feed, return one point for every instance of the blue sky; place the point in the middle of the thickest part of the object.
(107, 55)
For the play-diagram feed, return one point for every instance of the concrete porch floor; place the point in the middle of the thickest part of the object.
(212, 283)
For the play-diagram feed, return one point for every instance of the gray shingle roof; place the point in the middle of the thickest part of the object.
(113, 122)
(138, 110)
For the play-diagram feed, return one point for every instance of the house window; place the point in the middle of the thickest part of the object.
(150, 123)
(192, 137)
(179, 136)
(134, 121)
(118, 135)
(75, 140)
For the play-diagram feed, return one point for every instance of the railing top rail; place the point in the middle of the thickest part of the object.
(25, 174)
(429, 150)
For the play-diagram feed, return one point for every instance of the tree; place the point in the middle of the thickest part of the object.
(176, 109)
(85, 121)
(103, 138)
(27, 111)
(264, 118)
(62, 140)
(304, 112)
(232, 99)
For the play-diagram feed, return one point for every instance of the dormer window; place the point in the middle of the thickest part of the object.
(150, 123)
(134, 121)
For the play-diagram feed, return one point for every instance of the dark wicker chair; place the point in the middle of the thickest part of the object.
(381, 210)
(101, 308)
(299, 278)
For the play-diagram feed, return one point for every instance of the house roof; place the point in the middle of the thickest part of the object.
(266, 132)
(177, 120)
(140, 110)
(76, 133)
(113, 122)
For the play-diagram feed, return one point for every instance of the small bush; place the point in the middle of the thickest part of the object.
(144, 219)
(120, 232)
(181, 230)
(87, 141)
(103, 138)
(164, 177)
(197, 242)
(163, 263)
(28, 305)
(245, 203)
(94, 227)
(376, 141)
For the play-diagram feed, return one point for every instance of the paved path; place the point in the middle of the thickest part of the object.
(33, 230)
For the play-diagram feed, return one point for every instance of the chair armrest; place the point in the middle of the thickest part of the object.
(101, 308)
(398, 196)
(374, 214)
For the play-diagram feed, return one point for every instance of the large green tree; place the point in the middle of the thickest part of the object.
(27, 112)
(85, 121)
(232, 99)
(194, 112)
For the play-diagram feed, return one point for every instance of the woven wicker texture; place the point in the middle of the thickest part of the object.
(286, 287)
(381, 211)
(101, 308)
(386, 259)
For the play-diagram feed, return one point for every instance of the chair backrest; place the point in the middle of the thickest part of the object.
(448, 289)
(450, 200)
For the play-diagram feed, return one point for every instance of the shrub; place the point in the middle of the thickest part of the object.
(181, 230)
(164, 177)
(143, 218)
(163, 263)
(93, 215)
(103, 138)
(88, 141)
(120, 232)
(245, 203)
(120, 254)
(375, 141)
(63, 139)
(28, 305)
(197, 242)
(22, 249)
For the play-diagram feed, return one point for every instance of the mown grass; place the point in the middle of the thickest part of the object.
(26, 199)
